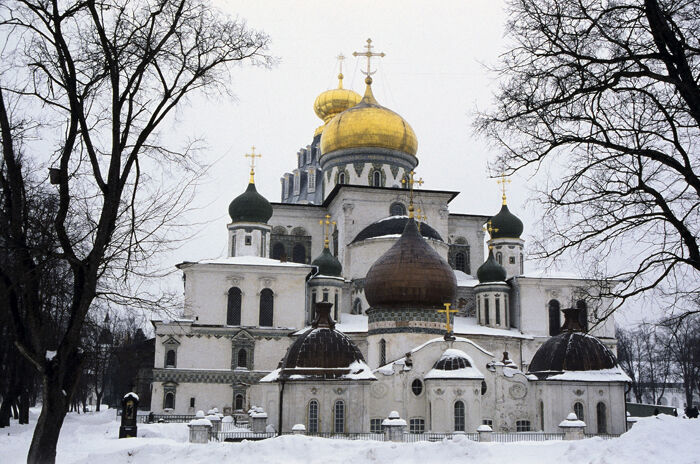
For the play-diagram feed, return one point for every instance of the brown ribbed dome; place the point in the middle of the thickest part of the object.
(410, 274)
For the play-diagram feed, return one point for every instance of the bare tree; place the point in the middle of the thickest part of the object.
(601, 99)
(629, 355)
(97, 80)
(684, 348)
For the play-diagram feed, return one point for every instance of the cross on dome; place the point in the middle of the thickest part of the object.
(503, 181)
(447, 311)
(326, 228)
(410, 183)
(369, 54)
(252, 155)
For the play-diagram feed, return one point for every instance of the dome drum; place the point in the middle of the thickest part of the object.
(371, 155)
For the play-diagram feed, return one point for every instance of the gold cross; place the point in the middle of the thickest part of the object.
(447, 312)
(410, 183)
(340, 59)
(252, 157)
(503, 181)
(369, 54)
(489, 228)
(418, 218)
(326, 228)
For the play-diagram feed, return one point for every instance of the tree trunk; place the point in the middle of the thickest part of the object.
(5, 411)
(15, 411)
(98, 400)
(24, 407)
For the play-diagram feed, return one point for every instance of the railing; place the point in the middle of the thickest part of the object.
(604, 436)
(430, 436)
(348, 436)
(511, 437)
(240, 436)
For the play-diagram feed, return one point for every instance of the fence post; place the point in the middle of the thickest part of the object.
(572, 427)
(630, 421)
(200, 429)
(299, 429)
(259, 419)
(485, 433)
(394, 427)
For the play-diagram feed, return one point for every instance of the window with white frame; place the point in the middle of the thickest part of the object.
(416, 425)
(375, 425)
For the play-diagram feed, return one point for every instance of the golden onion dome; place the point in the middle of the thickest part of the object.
(332, 102)
(368, 124)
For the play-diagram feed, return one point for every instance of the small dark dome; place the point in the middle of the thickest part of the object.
(321, 347)
(571, 350)
(507, 224)
(328, 265)
(250, 206)
(491, 271)
(410, 274)
(451, 360)
(394, 225)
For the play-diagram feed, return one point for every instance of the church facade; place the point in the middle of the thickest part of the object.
(325, 310)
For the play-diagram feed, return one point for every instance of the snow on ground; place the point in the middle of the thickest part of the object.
(92, 438)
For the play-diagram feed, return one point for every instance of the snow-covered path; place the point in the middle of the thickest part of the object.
(92, 438)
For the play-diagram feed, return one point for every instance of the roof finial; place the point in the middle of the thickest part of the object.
(369, 54)
(340, 59)
(490, 229)
(448, 327)
(252, 157)
(503, 181)
(410, 183)
(326, 228)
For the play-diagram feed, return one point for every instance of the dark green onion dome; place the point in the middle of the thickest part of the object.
(507, 224)
(571, 350)
(250, 206)
(491, 271)
(328, 265)
(411, 275)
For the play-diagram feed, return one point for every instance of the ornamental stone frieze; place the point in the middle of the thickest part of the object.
(204, 376)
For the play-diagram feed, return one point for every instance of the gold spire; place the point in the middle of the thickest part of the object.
(410, 182)
(490, 229)
(252, 157)
(503, 181)
(326, 229)
(447, 311)
(340, 59)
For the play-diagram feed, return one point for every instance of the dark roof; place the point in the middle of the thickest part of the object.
(320, 348)
(393, 226)
(451, 362)
(491, 271)
(328, 265)
(506, 224)
(571, 350)
(250, 206)
(411, 274)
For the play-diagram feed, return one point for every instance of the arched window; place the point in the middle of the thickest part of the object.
(377, 179)
(266, 307)
(382, 352)
(499, 258)
(578, 410)
(169, 402)
(233, 310)
(498, 309)
(487, 312)
(242, 358)
(299, 253)
(554, 317)
(170, 358)
(583, 314)
(461, 262)
(239, 403)
(602, 419)
(312, 420)
(459, 417)
(357, 306)
(341, 178)
(339, 417)
(278, 251)
(397, 209)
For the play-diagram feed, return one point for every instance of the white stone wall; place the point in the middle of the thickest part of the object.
(508, 253)
(364, 177)
(206, 395)
(470, 228)
(206, 292)
(257, 234)
(442, 396)
(558, 399)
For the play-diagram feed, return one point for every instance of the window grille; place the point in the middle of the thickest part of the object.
(459, 417)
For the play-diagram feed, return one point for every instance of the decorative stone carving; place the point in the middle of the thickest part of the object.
(578, 392)
(517, 391)
(439, 391)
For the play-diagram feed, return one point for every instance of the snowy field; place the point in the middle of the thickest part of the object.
(92, 438)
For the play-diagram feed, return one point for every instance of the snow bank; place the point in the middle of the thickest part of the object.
(91, 438)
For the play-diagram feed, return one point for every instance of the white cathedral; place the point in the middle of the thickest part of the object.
(336, 325)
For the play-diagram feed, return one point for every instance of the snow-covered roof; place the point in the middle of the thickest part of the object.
(359, 370)
(247, 261)
(454, 364)
(469, 326)
(465, 280)
(615, 374)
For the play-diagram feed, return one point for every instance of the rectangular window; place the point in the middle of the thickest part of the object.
(192, 402)
(511, 260)
(416, 425)
(339, 417)
(486, 310)
(248, 240)
(325, 296)
(233, 245)
(498, 310)
(375, 425)
(488, 422)
(297, 183)
(522, 426)
(312, 180)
